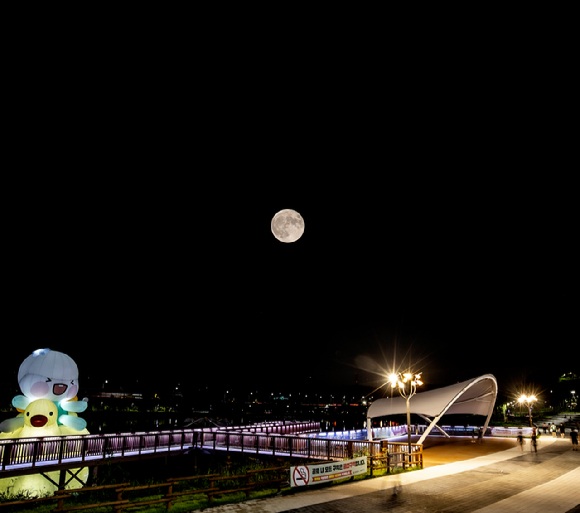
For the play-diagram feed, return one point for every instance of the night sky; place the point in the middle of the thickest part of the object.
(441, 221)
(180, 281)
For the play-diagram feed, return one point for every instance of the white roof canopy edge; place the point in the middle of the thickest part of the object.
(480, 399)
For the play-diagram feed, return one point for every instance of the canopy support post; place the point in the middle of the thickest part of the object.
(435, 426)
(428, 430)
(487, 421)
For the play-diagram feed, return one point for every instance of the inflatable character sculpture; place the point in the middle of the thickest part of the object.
(49, 381)
(51, 375)
(39, 419)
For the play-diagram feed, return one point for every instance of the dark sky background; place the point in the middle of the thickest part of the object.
(457, 280)
(437, 196)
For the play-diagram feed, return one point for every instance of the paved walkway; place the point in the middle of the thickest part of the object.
(505, 481)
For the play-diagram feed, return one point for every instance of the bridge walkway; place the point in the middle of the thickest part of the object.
(32, 455)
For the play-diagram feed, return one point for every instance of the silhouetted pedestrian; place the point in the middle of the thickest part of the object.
(521, 441)
(534, 446)
(562, 430)
(393, 483)
(574, 437)
(545, 427)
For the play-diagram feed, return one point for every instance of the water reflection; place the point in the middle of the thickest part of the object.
(127, 425)
(341, 425)
(361, 434)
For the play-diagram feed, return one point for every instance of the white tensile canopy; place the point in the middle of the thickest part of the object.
(476, 396)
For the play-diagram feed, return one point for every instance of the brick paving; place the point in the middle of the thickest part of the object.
(507, 481)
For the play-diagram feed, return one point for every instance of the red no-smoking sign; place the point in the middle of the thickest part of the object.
(300, 476)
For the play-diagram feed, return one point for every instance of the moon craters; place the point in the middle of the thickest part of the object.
(287, 225)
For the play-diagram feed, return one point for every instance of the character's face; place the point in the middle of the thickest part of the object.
(40, 413)
(50, 375)
(36, 386)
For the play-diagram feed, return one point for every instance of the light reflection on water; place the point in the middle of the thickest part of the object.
(127, 426)
(124, 424)
(361, 434)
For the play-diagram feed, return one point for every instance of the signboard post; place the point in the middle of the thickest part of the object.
(324, 472)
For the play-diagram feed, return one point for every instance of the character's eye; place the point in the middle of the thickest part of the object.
(48, 380)
(50, 413)
(28, 414)
(72, 382)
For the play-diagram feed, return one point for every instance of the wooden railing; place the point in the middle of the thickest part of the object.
(61, 449)
(302, 447)
(31, 452)
(248, 483)
(381, 455)
(281, 428)
(396, 454)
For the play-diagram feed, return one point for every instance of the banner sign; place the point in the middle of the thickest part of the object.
(511, 431)
(324, 472)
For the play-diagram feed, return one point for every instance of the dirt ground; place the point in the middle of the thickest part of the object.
(441, 450)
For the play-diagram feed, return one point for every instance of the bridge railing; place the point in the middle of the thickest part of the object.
(270, 427)
(33, 451)
(58, 449)
(317, 448)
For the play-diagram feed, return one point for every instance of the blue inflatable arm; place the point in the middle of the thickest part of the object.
(75, 423)
(21, 402)
(10, 425)
(74, 406)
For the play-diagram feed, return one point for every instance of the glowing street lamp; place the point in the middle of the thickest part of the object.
(529, 400)
(407, 385)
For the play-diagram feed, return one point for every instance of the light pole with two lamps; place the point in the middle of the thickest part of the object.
(529, 400)
(407, 388)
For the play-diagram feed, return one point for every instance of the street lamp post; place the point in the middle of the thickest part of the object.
(407, 388)
(529, 400)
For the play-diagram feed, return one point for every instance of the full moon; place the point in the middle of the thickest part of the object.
(287, 225)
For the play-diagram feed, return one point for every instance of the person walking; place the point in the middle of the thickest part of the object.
(521, 441)
(562, 430)
(553, 429)
(534, 446)
(574, 437)
(545, 427)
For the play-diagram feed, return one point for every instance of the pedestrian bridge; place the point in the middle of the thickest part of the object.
(33, 455)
